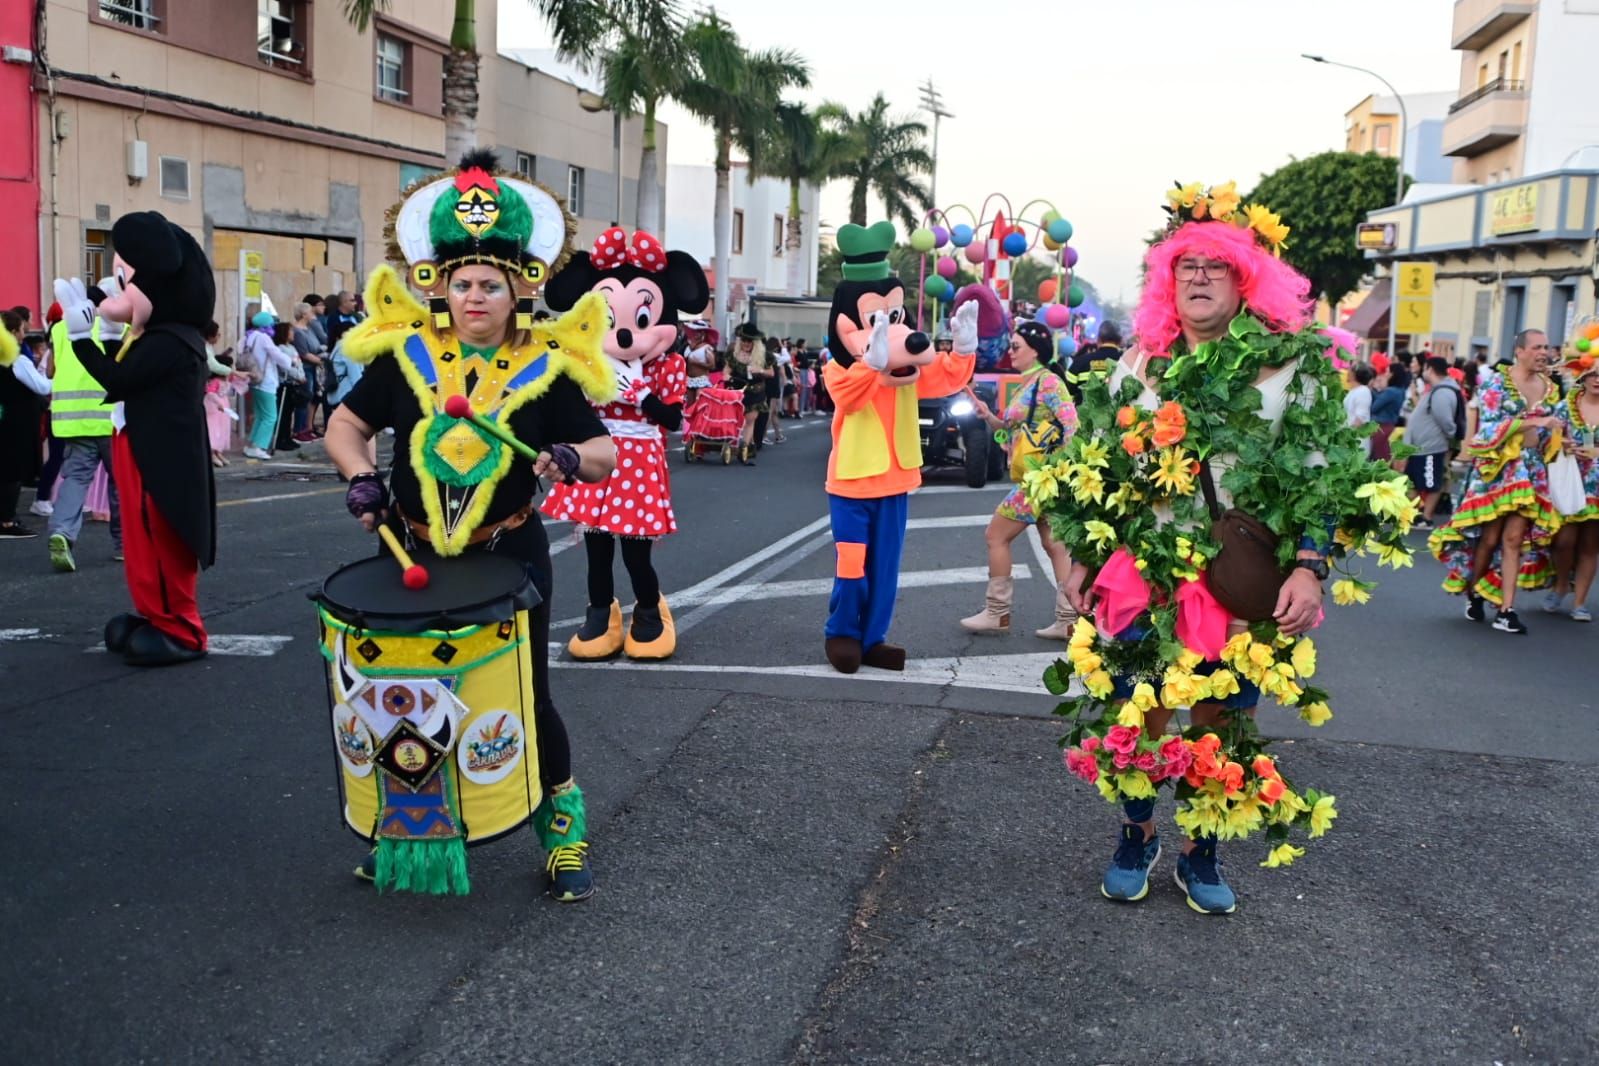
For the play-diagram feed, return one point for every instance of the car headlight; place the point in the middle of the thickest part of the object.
(962, 407)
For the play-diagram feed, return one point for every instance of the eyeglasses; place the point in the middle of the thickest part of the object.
(1213, 271)
(1016, 346)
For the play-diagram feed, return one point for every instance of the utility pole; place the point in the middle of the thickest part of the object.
(934, 105)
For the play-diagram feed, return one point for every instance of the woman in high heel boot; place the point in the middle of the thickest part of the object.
(1038, 420)
(748, 368)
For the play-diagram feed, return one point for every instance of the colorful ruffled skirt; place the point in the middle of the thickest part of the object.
(1521, 487)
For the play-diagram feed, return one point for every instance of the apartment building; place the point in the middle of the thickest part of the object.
(1373, 126)
(271, 129)
(1524, 103)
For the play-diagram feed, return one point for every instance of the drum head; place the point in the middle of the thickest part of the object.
(463, 590)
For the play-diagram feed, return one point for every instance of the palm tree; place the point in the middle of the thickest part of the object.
(799, 151)
(886, 153)
(639, 44)
(460, 71)
(736, 92)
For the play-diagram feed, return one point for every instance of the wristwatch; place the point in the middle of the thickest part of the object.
(1318, 567)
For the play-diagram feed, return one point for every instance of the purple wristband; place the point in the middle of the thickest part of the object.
(366, 495)
(566, 460)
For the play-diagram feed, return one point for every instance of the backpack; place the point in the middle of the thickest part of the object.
(1458, 436)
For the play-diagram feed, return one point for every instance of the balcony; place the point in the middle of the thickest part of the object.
(1478, 23)
(1493, 115)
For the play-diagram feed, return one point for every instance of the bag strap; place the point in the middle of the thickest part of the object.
(1208, 487)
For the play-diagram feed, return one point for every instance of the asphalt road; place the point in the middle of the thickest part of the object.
(794, 867)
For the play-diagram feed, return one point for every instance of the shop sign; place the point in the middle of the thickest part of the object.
(1513, 210)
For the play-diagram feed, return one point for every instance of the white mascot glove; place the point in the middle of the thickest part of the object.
(876, 355)
(77, 310)
(106, 331)
(964, 327)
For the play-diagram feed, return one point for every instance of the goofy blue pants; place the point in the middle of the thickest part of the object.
(868, 536)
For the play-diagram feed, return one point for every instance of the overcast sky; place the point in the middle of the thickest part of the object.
(1096, 106)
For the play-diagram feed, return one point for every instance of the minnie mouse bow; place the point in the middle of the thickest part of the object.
(612, 249)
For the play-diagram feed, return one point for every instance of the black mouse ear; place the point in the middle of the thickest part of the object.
(571, 282)
(685, 279)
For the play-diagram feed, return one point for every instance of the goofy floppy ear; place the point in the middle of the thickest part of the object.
(574, 279)
(684, 283)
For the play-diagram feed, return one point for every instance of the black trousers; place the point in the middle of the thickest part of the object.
(601, 549)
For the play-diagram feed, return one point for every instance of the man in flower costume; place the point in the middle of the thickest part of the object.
(880, 368)
(1227, 370)
(161, 287)
(645, 287)
(479, 244)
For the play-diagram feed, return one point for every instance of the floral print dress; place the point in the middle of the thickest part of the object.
(1054, 420)
(1508, 477)
(1582, 434)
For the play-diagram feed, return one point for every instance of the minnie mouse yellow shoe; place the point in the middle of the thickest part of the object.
(652, 634)
(601, 635)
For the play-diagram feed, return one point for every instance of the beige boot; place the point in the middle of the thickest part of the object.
(995, 615)
(1065, 619)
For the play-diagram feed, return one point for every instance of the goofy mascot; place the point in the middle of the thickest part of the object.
(880, 368)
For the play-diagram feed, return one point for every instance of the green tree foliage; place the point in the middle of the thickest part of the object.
(885, 156)
(1322, 199)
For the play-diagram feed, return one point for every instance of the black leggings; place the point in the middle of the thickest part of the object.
(601, 548)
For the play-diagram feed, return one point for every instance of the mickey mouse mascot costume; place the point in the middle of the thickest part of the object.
(162, 287)
(880, 368)
(646, 286)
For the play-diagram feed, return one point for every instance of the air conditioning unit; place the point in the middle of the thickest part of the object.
(138, 160)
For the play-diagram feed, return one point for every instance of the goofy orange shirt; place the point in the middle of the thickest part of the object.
(877, 441)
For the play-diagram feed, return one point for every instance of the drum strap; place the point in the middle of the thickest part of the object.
(479, 535)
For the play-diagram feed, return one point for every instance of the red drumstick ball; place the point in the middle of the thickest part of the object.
(458, 407)
(415, 577)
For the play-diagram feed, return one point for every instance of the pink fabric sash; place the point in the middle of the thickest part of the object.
(1123, 595)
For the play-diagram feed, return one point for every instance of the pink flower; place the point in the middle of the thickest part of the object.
(1176, 756)
(1122, 760)
(1090, 744)
(1145, 761)
(1082, 764)
(1122, 738)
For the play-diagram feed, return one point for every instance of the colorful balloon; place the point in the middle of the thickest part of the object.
(1014, 244)
(1046, 291)
(946, 266)
(961, 235)
(940, 236)
(1075, 296)
(1069, 257)
(934, 286)
(1060, 230)
(1067, 347)
(975, 252)
(922, 240)
(1057, 317)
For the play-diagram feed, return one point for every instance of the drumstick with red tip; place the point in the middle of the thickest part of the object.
(461, 407)
(415, 577)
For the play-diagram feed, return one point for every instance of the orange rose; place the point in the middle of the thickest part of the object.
(1132, 443)
(1126, 416)
(1271, 791)
(1210, 742)
(1232, 777)
(1171, 425)
(1264, 767)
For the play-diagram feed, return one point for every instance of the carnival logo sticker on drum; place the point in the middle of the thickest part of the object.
(491, 747)
(353, 740)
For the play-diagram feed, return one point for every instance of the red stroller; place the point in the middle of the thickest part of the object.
(715, 420)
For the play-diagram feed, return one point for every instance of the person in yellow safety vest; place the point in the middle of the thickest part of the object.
(83, 421)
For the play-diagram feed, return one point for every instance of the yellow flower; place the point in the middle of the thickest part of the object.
(1136, 785)
(1223, 683)
(1283, 855)
(1243, 818)
(1385, 498)
(1304, 658)
(1098, 684)
(1180, 687)
(1237, 647)
(1131, 715)
(1185, 195)
(1087, 484)
(1140, 565)
(1172, 473)
(1347, 593)
(1266, 223)
(1040, 485)
(1262, 656)
(1144, 696)
(1224, 201)
(1393, 555)
(1100, 533)
(1107, 787)
(1086, 663)
(1094, 453)
(1123, 499)
(1321, 816)
(1083, 634)
(1316, 714)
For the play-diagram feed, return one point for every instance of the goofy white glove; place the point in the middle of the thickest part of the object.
(876, 355)
(77, 310)
(964, 326)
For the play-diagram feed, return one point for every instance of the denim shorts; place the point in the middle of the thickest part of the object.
(1247, 696)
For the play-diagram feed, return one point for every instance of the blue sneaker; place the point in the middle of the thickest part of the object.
(1127, 879)
(1199, 875)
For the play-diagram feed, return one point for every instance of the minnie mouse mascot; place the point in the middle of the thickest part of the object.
(646, 286)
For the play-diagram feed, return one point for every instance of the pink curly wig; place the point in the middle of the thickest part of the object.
(1276, 292)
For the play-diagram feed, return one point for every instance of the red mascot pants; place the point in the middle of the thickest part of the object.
(162, 572)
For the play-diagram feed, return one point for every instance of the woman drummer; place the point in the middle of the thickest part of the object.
(486, 241)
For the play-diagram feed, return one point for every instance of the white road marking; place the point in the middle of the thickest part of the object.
(945, 490)
(968, 575)
(243, 645)
(280, 496)
(994, 673)
(949, 521)
(21, 635)
(571, 540)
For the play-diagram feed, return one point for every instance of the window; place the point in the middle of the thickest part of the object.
(1383, 137)
(280, 27)
(96, 253)
(174, 178)
(738, 232)
(777, 234)
(1482, 75)
(137, 14)
(524, 165)
(574, 190)
(1515, 63)
(393, 68)
(411, 173)
(1504, 64)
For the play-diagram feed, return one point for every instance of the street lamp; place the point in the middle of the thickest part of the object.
(1399, 174)
(594, 103)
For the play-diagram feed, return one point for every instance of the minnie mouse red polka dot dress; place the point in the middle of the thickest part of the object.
(636, 500)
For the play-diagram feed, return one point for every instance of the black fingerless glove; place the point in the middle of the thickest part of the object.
(566, 460)
(367, 495)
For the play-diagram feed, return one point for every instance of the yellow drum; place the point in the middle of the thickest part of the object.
(432, 710)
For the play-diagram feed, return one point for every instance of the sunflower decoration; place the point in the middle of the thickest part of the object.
(1221, 203)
